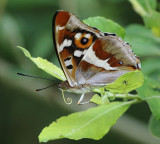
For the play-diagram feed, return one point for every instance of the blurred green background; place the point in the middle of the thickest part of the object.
(24, 112)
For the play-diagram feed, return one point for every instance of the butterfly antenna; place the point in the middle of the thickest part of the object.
(21, 74)
(45, 87)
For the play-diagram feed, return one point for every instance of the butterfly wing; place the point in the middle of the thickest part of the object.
(72, 38)
(87, 55)
(107, 58)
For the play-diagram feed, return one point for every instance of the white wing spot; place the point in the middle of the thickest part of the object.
(68, 63)
(77, 53)
(87, 36)
(91, 58)
(59, 28)
(66, 43)
(84, 52)
(78, 35)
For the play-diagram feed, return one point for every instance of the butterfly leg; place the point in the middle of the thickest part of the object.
(81, 98)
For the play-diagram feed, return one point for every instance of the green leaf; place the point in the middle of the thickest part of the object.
(93, 123)
(99, 100)
(45, 65)
(96, 99)
(146, 8)
(143, 7)
(126, 82)
(153, 21)
(142, 40)
(123, 84)
(137, 30)
(105, 25)
(150, 93)
(151, 65)
(154, 126)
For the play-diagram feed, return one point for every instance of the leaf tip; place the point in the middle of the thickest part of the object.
(26, 53)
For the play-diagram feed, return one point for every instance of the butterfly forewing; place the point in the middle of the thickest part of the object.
(72, 40)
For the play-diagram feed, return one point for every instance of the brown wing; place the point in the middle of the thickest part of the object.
(106, 59)
(72, 38)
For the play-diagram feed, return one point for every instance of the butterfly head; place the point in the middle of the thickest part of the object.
(64, 86)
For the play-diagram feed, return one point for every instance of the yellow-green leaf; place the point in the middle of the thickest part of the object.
(45, 65)
(126, 82)
(99, 100)
(93, 123)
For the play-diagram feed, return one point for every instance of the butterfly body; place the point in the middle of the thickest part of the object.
(89, 58)
(76, 89)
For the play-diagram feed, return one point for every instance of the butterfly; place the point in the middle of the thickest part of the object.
(89, 58)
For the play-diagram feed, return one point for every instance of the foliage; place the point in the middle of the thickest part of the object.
(148, 45)
(147, 9)
(45, 65)
(93, 123)
(154, 125)
(110, 26)
(96, 122)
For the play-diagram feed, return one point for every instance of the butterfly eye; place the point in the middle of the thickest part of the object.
(84, 41)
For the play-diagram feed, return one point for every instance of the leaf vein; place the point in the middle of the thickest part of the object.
(98, 117)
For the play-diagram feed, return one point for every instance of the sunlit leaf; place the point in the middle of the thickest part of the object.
(93, 123)
(105, 25)
(99, 100)
(45, 65)
(126, 82)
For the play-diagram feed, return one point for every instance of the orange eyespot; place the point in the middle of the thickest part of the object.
(83, 40)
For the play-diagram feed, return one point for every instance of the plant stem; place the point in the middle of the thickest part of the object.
(127, 96)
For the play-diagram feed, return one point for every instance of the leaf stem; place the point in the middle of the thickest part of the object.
(127, 96)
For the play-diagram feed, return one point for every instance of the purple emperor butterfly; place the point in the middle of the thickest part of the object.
(89, 58)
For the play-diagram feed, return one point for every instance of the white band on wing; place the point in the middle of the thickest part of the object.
(66, 43)
(91, 58)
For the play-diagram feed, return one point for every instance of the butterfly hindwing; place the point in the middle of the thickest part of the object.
(107, 59)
